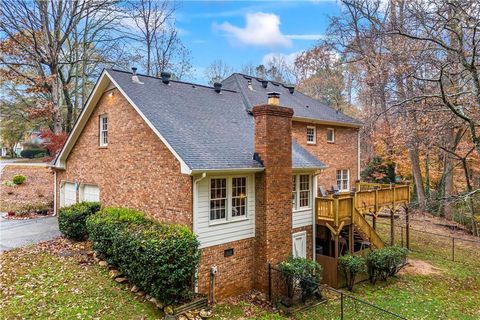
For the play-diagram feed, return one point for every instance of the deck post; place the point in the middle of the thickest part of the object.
(376, 201)
(336, 247)
(351, 230)
(335, 208)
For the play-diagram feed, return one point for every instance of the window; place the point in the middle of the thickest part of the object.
(343, 181)
(239, 197)
(330, 135)
(228, 198)
(89, 192)
(301, 191)
(103, 131)
(311, 135)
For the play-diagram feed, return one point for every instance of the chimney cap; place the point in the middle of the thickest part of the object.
(217, 86)
(165, 77)
(273, 94)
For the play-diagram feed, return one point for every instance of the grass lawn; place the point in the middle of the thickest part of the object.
(57, 280)
(450, 290)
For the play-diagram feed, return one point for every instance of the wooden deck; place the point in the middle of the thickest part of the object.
(340, 210)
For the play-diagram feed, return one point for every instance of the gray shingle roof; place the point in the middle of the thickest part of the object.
(208, 130)
(304, 106)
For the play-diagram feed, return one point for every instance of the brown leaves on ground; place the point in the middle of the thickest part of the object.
(420, 267)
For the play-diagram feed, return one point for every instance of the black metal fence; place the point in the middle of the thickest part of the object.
(430, 244)
(323, 302)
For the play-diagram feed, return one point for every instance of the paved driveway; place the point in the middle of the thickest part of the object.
(19, 233)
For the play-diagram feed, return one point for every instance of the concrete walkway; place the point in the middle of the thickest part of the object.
(19, 233)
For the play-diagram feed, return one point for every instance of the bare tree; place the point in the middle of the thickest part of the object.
(217, 71)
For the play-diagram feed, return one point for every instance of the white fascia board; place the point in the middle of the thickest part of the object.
(97, 92)
(328, 123)
(227, 170)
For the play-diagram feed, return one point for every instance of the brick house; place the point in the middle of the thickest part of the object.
(224, 161)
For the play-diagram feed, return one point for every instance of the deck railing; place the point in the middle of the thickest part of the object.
(339, 207)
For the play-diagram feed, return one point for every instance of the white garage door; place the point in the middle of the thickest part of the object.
(299, 242)
(68, 195)
(89, 192)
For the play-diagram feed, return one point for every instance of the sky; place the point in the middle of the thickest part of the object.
(243, 32)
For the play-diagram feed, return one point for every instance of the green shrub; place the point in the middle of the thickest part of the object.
(161, 259)
(32, 153)
(386, 262)
(351, 265)
(307, 273)
(72, 219)
(19, 179)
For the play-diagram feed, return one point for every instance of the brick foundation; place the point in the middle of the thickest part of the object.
(235, 273)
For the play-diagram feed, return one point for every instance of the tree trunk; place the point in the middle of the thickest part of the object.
(448, 186)
(417, 175)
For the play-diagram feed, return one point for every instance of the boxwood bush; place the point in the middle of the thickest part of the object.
(351, 266)
(19, 179)
(161, 259)
(72, 219)
(386, 262)
(303, 272)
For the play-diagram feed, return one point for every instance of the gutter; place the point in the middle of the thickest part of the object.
(331, 123)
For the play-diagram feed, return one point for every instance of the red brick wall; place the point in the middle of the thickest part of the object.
(36, 192)
(273, 216)
(136, 170)
(342, 154)
(235, 273)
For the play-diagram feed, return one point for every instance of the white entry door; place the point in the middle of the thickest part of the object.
(299, 242)
(68, 194)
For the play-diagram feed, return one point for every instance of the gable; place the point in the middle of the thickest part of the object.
(105, 83)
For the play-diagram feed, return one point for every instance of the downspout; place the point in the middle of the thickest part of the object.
(54, 192)
(314, 224)
(195, 213)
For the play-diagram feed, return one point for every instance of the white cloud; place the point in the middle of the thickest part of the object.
(261, 29)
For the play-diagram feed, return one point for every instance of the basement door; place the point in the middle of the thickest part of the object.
(299, 243)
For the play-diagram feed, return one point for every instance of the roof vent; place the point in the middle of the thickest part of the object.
(135, 78)
(291, 89)
(264, 83)
(165, 77)
(217, 86)
(273, 98)
(249, 85)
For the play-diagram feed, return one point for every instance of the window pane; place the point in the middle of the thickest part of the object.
(304, 187)
(218, 199)
(310, 134)
(239, 196)
(330, 133)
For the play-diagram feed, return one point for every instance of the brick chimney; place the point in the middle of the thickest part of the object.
(273, 217)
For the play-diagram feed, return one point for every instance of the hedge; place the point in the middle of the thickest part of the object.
(161, 259)
(351, 266)
(386, 262)
(72, 219)
(33, 153)
(303, 272)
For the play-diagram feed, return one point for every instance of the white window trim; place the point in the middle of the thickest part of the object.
(101, 131)
(333, 135)
(296, 206)
(228, 214)
(314, 135)
(348, 180)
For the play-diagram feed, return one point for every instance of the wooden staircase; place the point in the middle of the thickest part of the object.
(341, 210)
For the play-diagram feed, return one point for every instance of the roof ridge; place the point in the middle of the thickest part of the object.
(171, 80)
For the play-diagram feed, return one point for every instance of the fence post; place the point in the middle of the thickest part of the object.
(341, 305)
(453, 248)
(269, 282)
(407, 224)
(392, 227)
